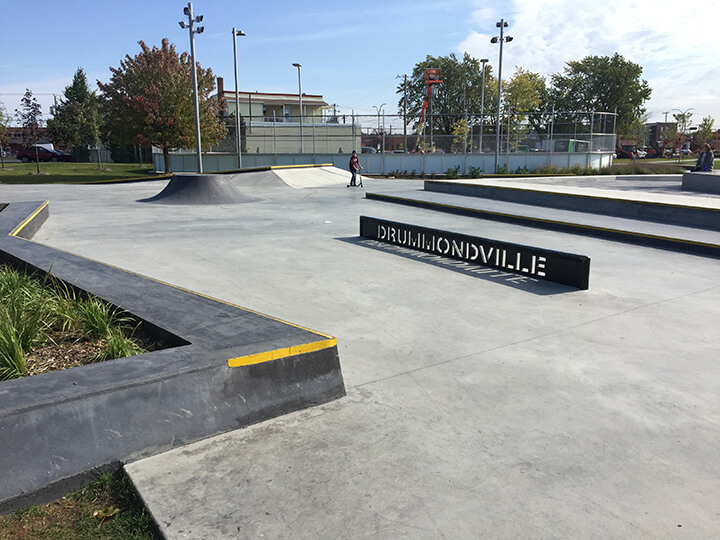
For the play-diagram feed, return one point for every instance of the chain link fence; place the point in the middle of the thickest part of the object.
(451, 134)
(387, 143)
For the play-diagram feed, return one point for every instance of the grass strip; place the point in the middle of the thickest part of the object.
(108, 508)
(71, 172)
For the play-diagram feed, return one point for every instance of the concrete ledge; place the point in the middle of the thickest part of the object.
(683, 239)
(57, 427)
(660, 212)
(704, 182)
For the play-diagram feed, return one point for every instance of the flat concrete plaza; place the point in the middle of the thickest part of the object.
(478, 405)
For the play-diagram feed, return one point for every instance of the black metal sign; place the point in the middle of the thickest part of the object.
(558, 266)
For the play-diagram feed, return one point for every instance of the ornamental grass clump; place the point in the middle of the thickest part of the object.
(48, 316)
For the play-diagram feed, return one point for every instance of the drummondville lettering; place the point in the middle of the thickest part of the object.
(516, 261)
(472, 267)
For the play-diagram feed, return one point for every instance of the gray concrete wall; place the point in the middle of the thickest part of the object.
(704, 182)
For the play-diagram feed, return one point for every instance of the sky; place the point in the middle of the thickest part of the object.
(354, 53)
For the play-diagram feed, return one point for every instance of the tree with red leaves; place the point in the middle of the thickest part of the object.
(149, 100)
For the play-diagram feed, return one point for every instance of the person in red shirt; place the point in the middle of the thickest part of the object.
(354, 168)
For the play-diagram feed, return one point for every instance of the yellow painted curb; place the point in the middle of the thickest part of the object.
(28, 219)
(267, 356)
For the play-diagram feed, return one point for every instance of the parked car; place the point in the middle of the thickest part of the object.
(27, 155)
(367, 150)
(623, 152)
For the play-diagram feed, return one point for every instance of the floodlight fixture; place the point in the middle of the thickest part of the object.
(501, 39)
(235, 34)
(188, 11)
(298, 66)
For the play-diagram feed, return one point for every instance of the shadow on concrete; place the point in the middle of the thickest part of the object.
(508, 279)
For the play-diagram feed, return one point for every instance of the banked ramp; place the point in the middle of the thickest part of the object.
(240, 187)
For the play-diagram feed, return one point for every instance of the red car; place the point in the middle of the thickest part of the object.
(625, 151)
(27, 155)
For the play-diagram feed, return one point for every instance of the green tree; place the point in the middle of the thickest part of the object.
(602, 83)
(705, 132)
(460, 91)
(683, 121)
(461, 136)
(524, 92)
(30, 118)
(4, 132)
(149, 100)
(636, 132)
(76, 118)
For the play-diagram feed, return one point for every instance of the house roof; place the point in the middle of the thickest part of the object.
(274, 99)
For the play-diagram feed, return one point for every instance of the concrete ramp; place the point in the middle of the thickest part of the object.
(234, 188)
(192, 188)
(312, 177)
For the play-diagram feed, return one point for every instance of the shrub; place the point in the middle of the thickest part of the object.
(546, 169)
(474, 172)
(452, 172)
(98, 318)
(118, 345)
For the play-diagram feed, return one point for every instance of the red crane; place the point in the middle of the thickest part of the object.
(432, 77)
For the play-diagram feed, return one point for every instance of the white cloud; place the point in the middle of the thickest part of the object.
(673, 43)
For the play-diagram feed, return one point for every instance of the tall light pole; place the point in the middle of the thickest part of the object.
(482, 104)
(236, 33)
(199, 30)
(298, 66)
(501, 25)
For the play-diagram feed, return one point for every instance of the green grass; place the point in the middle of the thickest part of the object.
(53, 173)
(108, 508)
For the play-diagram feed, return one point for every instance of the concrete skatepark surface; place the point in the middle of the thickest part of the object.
(477, 405)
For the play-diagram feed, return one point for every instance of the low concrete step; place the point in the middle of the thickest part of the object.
(661, 208)
(636, 231)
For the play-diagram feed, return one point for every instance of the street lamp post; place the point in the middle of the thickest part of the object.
(482, 104)
(501, 25)
(236, 33)
(298, 66)
(199, 30)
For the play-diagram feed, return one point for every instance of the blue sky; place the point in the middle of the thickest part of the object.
(351, 52)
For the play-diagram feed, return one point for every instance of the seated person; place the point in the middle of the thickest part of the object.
(705, 159)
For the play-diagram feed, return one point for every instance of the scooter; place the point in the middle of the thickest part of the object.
(359, 180)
